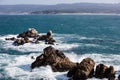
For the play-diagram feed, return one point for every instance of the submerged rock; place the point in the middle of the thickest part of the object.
(102, 71)
(82, 70)
(55, 58)
(12, 39)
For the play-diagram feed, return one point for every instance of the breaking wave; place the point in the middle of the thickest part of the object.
(18, 66)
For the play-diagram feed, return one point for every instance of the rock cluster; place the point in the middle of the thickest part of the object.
(102, 71)
(76, 71)
(48, 38)
(31, 32)
(23, 38)
(55, 58)
(82, 70)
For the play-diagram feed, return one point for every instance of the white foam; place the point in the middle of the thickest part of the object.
(29, 47)
(98, 58)
(60, 39)
(19, 66)
(7, 36)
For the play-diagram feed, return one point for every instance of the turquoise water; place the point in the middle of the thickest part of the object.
(78, 36)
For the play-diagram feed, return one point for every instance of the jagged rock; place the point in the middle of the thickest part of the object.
(55, 58)
(18, 42)
(21, 41)
(26, 39)
(12, 39)
(111, 73)
(48, 38)
(102, 71)
(31, 32)
(42, 37)
(83, 70)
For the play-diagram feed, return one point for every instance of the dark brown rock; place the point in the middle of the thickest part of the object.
(21, 41)
(12, 39)
(42, 37)
(72, 71)
(47, 38)
(23, 38)
(29, 33)
(18, 42)
(102, 71)
(32, 57)
(55, 58)
(111, 73)
(26, 39)
(83, 70)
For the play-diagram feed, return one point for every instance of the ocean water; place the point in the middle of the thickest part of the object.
(78, 36)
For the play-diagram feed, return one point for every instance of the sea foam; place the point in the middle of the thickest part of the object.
(18, 67)
(29, 47)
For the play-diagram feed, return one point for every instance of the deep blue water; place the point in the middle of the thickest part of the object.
(86, 25)
(81, 35)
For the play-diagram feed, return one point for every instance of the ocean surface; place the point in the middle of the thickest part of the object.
(78, 36)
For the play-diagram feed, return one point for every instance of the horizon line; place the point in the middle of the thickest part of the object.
(62, 3)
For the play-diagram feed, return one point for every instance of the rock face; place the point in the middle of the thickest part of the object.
(23, 38)
(55, 58)
(21, 41)
(31, 32)
(48, 38)
(83, 70)
(102, 71)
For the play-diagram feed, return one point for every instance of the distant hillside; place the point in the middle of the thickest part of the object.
(61, 8)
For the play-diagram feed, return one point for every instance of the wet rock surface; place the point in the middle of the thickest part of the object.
(82, 70)
(102, 71)
(76, 71)
(24, 37)
(31, 32)
(55, 58)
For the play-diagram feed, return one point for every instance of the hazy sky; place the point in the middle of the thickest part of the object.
(54, 1)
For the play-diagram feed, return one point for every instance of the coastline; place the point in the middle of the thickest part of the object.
(62, 14)
(88, 14)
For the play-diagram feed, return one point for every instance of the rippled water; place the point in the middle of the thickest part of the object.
(78, 36)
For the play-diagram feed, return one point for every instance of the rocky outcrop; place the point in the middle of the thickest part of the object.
(55, 58)
(82, 70)
(12, 39)
(76, 71)
(31, 32)
(21, 41)
(102, 71)
(47, 38)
